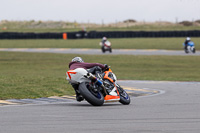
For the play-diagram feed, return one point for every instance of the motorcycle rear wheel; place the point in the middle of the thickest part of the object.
(94, 98)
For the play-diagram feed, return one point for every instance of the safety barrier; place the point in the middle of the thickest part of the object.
(97, 34)
(132, 34)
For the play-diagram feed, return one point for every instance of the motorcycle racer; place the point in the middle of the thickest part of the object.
(78, 62)
(187, 40)
(189, 46)
(105, 45)
(104, 39)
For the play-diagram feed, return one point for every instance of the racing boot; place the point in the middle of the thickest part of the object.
(79, 97)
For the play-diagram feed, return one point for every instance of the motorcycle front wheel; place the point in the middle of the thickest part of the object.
(95, 98)
(124, 97)
(193, 50)
(110, 50)
(103, 50)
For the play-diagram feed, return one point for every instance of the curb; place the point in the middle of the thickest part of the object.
(134, 92)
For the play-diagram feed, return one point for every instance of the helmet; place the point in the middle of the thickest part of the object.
(77, 59)
(104, 38)
(188, 38)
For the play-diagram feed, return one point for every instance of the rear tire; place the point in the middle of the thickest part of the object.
(94, 98)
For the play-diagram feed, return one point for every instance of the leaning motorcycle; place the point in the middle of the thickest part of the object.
(190, 47)
(98, 88)
(106, 46)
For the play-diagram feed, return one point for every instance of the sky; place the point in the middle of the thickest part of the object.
(100, 11)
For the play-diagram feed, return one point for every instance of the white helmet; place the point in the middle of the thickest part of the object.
(188, 38)
(77, 59)
(104, 38)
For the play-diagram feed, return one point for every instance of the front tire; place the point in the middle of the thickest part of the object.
(124, 97)
(94, 98)
(186, 51)
(193, 50)
(103, 50)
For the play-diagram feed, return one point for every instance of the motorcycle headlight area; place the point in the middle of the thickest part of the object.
(108, 85)
(112, 76)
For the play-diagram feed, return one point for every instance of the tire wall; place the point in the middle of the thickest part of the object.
(96, 34)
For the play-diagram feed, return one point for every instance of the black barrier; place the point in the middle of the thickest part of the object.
(137, 34)
(19, 35)
(16, 35)
(96, 34)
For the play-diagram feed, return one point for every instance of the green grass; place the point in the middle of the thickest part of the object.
(33, 75)
(126, 43)
(71, 27)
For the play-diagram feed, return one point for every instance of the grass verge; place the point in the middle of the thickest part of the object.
(126, 43)
(42, 26)
(33, 75)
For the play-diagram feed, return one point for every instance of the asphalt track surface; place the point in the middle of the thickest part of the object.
(175, 109)
(98, 51)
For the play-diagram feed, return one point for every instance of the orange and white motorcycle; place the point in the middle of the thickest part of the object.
(99, 87)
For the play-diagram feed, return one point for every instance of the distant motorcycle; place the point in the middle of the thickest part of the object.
(190, 48)
(106, 46)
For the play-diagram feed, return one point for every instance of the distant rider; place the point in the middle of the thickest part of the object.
(78, 62)
(104, 39)
(187, 40)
